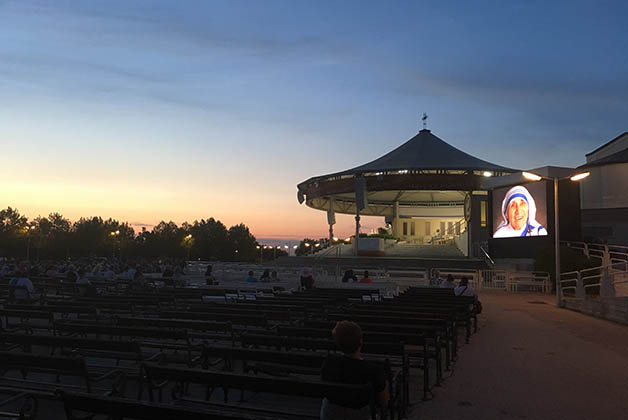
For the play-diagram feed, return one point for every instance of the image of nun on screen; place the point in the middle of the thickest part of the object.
(518, 212)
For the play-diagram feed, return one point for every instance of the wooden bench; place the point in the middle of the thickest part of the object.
(25, 316)
(67, 366)
(320, 338)
(172, 339)
(265, 312)
(63, 310)
(310, 362)
(27, 409)
(110, 349)
(247, 320)
(156, 377)
(118, 408)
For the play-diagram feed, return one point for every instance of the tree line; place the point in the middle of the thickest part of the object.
(55, 237)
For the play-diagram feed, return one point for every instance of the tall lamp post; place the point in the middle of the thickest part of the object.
(28, 230)
(574, 177)
(188, 243)
(113, 235)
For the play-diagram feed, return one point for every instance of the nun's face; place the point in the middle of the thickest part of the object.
(518, 213)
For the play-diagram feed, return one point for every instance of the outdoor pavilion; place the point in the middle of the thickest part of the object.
(427, 191)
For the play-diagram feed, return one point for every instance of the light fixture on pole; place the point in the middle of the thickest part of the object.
(188, 243)
(113, 235)
(28, 229)
(573, 177)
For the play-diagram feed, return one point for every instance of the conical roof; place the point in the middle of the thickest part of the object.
(425, 151)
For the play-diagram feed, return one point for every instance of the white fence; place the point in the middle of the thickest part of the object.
(608, 254)
(512, 281)
(390, 280)
(603, 281)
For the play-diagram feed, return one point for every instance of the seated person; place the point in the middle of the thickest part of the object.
(168, 272)
(108, 274)
(366, 278)
(464, 289)
(71, 275)
(265, 278)
(51, 271)
(82, 277)
(26, 289)
(209, 277)
(307, 278)
(129, 273)
(448, 283)
(350, 368)
(85, 286)
(435, 279)
(274, 277)
(349, 276)
(251, 278)
(139, 282)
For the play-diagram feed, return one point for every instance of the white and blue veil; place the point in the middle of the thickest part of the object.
(521, 192)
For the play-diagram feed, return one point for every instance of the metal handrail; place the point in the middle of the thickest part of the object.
(615, 253)
(592, 277)
(487, 256)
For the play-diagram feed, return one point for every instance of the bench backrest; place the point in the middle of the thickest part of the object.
(71, 342)
(116, 408)
(282, 386)
(157, 333)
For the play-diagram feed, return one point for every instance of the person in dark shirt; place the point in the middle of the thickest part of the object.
(307, 278)
(265, 278)
(209, 277)
(350, 368)
(349, 276)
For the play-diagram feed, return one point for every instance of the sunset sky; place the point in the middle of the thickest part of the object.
(162, 110)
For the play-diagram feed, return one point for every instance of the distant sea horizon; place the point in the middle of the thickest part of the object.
(279, 241)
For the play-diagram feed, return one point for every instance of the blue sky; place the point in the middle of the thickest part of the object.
(150, 110)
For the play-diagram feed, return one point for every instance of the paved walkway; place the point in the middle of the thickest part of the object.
(534, 361)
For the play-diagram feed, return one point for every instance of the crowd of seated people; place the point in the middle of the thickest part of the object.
(267, 276)
(100, 268)
(84, 272)
(306, 308)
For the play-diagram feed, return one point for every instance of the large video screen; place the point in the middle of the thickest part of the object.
(520, 211)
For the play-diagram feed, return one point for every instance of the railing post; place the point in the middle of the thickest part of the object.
(508, 281)
(606, 286)
(580, 294)
(606, 257)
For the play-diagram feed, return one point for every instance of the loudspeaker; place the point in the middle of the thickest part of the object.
(331, 217)
(361, 199)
